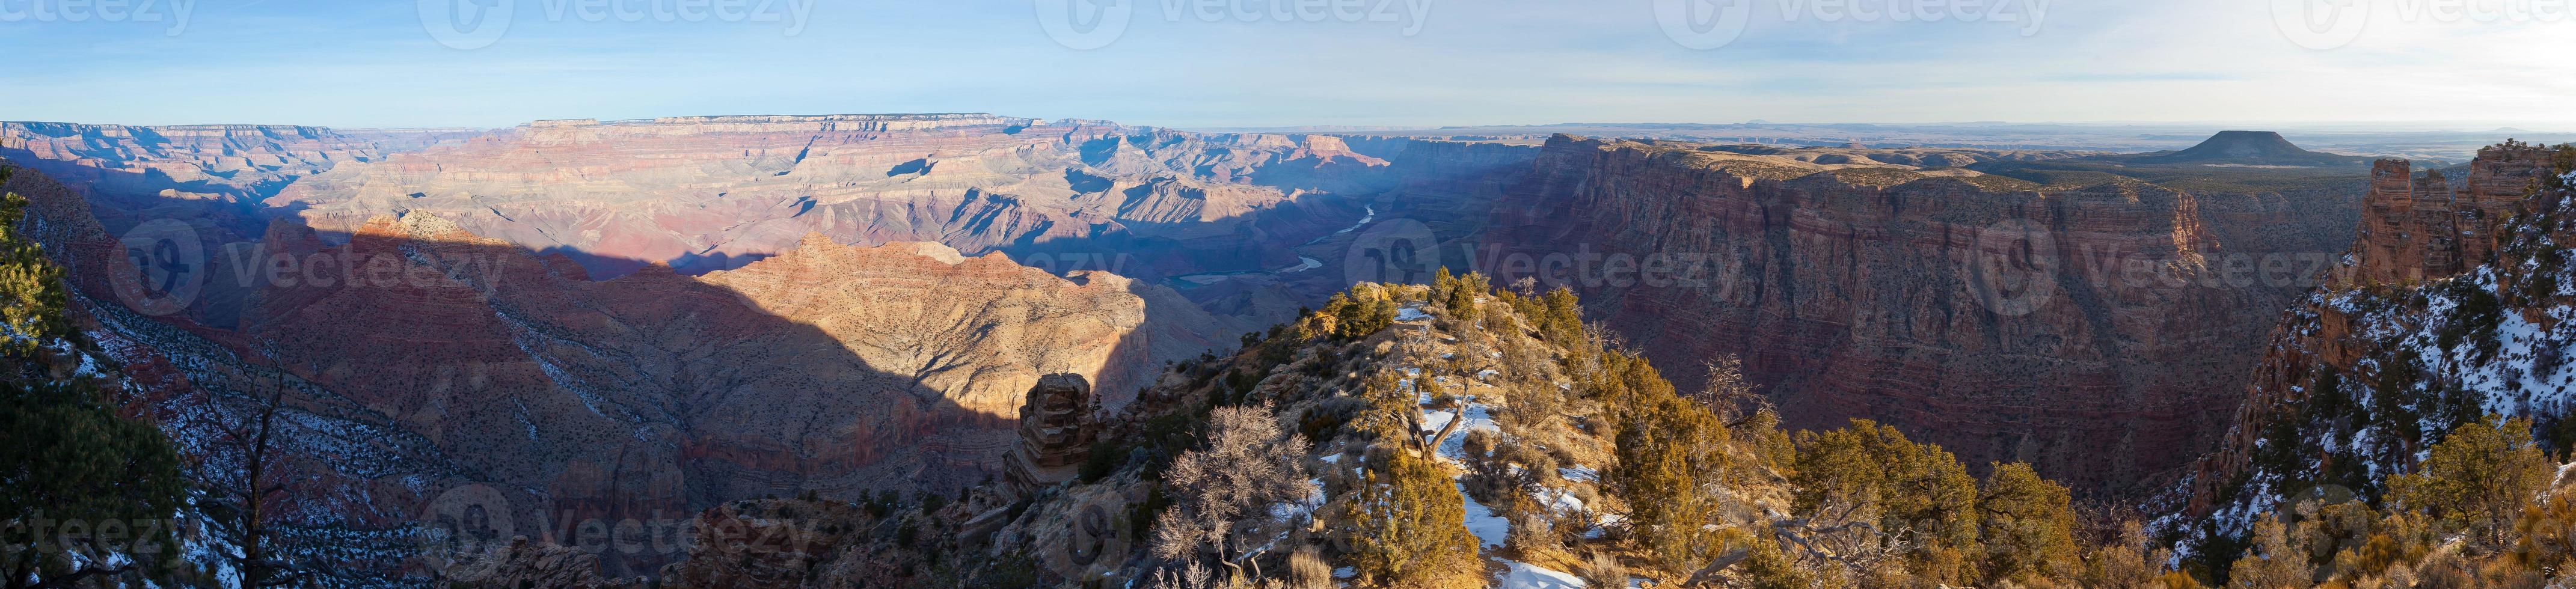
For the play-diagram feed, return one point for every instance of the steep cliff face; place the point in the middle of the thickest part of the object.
(2097, 332)
(2454, 303)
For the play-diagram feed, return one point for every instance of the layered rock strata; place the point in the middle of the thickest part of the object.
(2098, 332)
(1056, 431)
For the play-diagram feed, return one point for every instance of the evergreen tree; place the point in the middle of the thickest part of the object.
(1459, 298)
(66, 456)
(31, 294)
(1406, 524)
(2273, 564)
(1766, 567)
(1868, 468)
(2478, 479)
(1670, 452)
(2029, 526)
(1563, 322)
(1441, 283)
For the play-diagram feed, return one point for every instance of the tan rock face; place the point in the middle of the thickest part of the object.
(1056, 431)
(2098, 333)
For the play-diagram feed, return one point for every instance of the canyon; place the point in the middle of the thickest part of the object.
(639, 319)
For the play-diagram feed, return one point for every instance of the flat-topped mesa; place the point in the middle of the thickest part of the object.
(2415, 228)
(163, 131)
(1056, 432)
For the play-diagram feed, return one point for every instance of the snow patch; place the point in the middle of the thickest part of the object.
(1524, 575)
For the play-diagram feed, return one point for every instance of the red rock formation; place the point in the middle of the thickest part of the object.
(2414, 230)
(2096, 332)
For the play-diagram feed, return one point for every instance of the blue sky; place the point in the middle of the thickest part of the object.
(377, 63)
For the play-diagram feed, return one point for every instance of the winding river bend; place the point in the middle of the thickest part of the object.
(1304, 263)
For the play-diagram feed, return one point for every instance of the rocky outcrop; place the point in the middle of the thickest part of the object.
(1056, 432)
(2448, 307)
(2418, 228)
(2096, 332)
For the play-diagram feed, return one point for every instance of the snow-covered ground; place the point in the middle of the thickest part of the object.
(1490, 529)
(1524, 575)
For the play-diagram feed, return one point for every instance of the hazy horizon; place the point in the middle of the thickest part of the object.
(1258, 63)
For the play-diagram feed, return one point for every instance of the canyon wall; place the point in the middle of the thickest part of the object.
(2097, 332)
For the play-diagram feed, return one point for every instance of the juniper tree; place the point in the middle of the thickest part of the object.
(1918, 492)
(2029, 526)
(1405, 523)
(31, 294)
(2478, 479)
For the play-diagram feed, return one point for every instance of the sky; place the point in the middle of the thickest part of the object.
(1258, 63)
